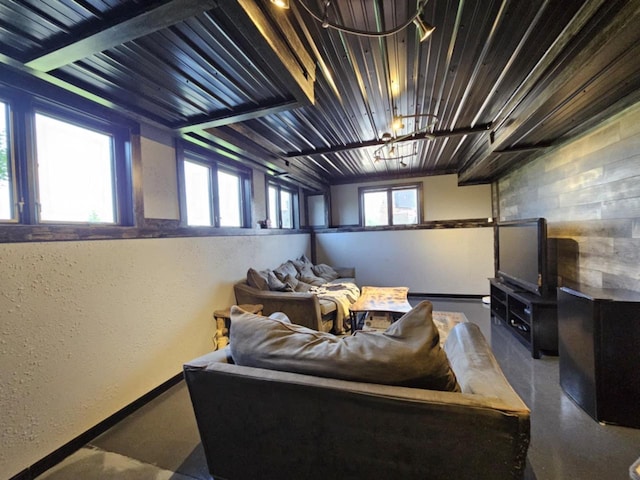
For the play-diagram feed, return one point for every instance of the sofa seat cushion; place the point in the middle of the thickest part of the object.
(408, 353)
(326, 306)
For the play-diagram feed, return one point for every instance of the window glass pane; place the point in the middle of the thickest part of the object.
(405, 206)
(273, 206)
(376, 210)
(75, 172)
(286, 209)
(229, 197)
(6, 210)
(198, 192)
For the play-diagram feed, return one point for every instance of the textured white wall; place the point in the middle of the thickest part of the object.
(88, 327)
(446, 261)
(159, 180)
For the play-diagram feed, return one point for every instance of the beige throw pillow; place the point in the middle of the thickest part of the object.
(408, 353)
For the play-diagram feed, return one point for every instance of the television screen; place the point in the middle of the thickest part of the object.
(522, 254)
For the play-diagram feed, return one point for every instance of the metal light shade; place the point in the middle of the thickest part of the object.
(424, 27)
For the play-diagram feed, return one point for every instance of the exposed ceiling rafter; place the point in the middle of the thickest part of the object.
(121, 31)
(377, 143)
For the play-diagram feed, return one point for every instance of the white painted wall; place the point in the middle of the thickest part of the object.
(440, 261)
(89, 327)
(316, 205)
(159, 177)
(443, 200)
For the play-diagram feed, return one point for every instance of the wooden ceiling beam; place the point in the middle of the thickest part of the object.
(109, 36)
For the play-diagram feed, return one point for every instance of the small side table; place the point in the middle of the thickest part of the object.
(392, 300)
(223, 323)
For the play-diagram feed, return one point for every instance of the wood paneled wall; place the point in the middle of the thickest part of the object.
(588, 189)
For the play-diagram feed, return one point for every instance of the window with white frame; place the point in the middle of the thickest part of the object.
(215, 194)
(283, 206)
(7, 210)
(390, 205)
(77, 171)
(199, 193)
(230, 195)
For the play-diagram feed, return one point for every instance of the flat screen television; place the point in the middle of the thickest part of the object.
(522, 255)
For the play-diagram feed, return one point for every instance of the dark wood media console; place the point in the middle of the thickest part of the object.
(599, 352)
(531, 318)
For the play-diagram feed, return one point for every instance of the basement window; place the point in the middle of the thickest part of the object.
(215, 194)
(283, 206)
(60, 166)
(75, 172)
(390, 205)
(7, 183)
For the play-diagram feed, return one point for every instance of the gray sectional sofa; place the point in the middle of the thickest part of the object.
(297, 302)
(268, 423)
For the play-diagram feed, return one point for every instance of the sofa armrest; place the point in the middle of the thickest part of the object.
(301, 308)
(476, 368)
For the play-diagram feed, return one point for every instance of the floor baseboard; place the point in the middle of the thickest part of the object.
(55, 457)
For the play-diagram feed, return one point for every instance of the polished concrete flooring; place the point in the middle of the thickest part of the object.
(565, 442)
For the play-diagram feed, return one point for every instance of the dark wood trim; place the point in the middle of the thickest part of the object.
(433, 225)
(78, 442)
(152, 228)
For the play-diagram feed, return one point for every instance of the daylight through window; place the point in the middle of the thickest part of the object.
(216, 194)
(283, 206)
(197, 179)
(6, 200)
(392, 205)
(75, 173)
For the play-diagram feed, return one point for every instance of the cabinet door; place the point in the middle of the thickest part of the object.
(576, 345)
(618, 364)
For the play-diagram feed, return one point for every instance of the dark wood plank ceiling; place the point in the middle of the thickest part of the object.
(273, 89)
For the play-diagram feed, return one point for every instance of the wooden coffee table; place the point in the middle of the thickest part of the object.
(391, 300)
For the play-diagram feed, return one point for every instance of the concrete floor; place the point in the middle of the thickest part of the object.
(565, 442)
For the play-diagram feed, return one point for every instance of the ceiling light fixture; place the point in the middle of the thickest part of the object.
(398, 124)
(425, 29)
(392, 154)
(281, 3)
(390, 140)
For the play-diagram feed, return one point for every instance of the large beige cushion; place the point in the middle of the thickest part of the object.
(408, 353)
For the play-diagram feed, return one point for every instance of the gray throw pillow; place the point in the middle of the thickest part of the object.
(285, 269)
(408, 353)
(306, 275)
(274, 283)
(295, 285)
(257, 279)
(325, 271)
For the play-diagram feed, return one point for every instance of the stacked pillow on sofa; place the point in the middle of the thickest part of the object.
(292, 276)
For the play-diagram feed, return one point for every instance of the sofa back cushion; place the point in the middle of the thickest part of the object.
(408, 353)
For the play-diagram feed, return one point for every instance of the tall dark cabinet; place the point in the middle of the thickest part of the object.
(599, 343)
